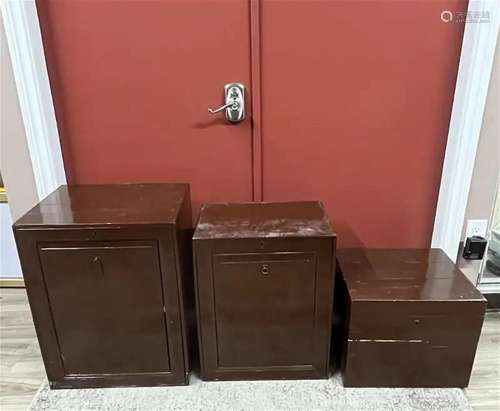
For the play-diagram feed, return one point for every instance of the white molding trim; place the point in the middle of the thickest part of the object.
(474, 72)
(24, 39)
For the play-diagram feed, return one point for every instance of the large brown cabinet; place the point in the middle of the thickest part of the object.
(107, 269)
(264, 289)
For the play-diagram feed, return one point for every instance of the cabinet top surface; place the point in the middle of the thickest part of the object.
(108, 204)
(263, 220)
(404, 274)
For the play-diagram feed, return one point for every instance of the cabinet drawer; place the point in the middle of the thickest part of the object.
(107, 306)
(264, 309)
(409, 343)
(432, 322)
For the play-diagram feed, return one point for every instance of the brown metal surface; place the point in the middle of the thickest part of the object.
(264, 288)
(263, 220)
(96, 204)
(106, 271)
(411, 319)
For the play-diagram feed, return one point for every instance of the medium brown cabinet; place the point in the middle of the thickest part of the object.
(106, 269)
(264, 285)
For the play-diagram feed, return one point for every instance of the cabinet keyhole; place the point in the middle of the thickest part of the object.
(264, 269)
(99, 264)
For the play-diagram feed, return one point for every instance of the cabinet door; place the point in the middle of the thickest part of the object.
(264, 314)
(107, 306)
(264, 309)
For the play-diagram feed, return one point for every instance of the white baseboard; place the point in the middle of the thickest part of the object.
(12, 283)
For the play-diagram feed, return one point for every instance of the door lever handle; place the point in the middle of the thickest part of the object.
(234, 103)
(234, 106)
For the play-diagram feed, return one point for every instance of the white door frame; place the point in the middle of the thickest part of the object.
(24, 40)
(478, 48)
(474, 72)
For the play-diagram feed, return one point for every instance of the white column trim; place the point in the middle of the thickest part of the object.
(474, 72)
(24, 40)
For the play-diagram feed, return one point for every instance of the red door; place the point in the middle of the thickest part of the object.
(351, 102)
(357, 100)
(132, 82)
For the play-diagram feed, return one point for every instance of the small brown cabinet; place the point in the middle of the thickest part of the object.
(105, 268)
(264, 285)
(411, 318)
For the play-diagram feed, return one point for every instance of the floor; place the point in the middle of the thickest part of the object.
(21, 367)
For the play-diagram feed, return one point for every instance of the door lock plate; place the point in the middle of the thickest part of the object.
(234, 105)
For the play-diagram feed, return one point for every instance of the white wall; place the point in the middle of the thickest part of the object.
(15, 163)
(9, 261)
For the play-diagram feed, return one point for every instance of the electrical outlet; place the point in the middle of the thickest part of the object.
(476, 227)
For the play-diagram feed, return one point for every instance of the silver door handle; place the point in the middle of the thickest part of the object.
(234, 103)
(234, 106)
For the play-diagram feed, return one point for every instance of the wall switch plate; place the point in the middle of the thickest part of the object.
(476, 228)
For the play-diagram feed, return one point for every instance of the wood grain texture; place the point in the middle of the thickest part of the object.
(21, 366)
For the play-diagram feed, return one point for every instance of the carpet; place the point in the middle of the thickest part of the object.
(254, 396)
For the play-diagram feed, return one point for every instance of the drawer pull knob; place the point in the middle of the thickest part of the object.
(264, 270)
(98, 261)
